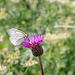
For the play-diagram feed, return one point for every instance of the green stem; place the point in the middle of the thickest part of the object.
(26, 70)
(41, 65)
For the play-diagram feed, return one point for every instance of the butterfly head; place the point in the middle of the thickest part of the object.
(26, 37)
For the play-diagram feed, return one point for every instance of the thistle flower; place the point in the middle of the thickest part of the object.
(33, 42)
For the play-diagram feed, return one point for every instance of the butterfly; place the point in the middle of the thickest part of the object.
(16, 36)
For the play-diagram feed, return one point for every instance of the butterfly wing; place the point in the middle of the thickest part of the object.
(16, 36)
(15, 31)
(16, 39)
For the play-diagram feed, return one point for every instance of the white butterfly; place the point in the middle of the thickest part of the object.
(16, 36)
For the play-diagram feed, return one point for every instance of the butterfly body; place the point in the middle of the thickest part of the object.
(16, 36)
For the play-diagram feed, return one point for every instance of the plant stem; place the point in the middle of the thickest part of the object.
(26, 70)
(41, 65)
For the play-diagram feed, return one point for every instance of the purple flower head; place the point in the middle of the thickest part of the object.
(33, 40)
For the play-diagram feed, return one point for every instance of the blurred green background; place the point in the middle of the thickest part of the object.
(53, 18)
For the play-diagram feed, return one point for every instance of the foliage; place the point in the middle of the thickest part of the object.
(32, 17)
